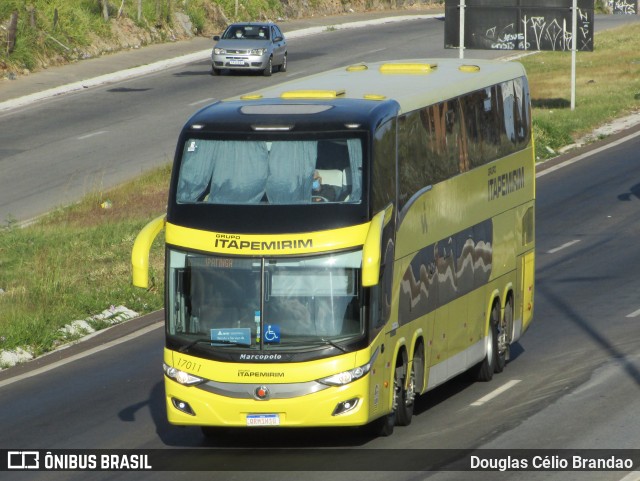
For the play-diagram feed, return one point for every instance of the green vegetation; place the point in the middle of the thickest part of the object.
(74, 263)
(38, 33)
(607, 87)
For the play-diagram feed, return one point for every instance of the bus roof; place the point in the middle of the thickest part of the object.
(411, 83)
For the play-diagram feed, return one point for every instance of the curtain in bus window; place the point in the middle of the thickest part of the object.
(290, 176)
(239, 172)
(233, 172)
(355, 160)
(196, 170)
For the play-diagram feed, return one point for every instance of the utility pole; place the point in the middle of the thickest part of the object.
(574, 46)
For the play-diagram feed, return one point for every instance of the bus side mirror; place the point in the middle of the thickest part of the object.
(141, 249)
(371, 251)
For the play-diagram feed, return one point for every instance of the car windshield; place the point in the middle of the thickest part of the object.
(279, 172)
(251, 32)
(222, 302)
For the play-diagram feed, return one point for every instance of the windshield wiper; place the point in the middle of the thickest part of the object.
(331, 343)
(314, 343)
(210, 341)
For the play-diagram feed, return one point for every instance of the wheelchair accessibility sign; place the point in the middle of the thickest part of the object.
(271, 334)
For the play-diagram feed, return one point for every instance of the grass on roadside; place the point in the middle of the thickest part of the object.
(75, 263)
(607, 87)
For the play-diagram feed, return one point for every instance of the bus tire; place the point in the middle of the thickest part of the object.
(406, 403)
(502, 350)
(385, 425)
(483, 371)
(211, 432)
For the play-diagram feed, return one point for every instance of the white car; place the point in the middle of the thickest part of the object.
(259, 47)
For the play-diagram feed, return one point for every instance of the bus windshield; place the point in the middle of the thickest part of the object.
(275, 172)
(223, 301)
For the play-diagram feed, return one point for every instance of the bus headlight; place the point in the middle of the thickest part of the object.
(181, 377)
(346, 377)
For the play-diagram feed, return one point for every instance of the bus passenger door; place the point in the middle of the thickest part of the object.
(381, 342)
(383, 319)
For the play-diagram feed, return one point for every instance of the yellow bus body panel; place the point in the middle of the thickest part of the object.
(284, 244)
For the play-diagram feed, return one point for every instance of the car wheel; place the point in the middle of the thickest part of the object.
(269, 70)
(283, 67)
(215, 71)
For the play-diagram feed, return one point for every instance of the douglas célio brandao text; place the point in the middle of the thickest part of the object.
(550, 463)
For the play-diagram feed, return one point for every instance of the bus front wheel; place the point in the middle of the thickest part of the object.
(406, 401)
(385, 425)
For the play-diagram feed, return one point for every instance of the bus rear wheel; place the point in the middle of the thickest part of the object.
(506, 326)
(483, 371)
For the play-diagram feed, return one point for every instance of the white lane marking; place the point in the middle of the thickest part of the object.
(563, 246)
(203, 101)
(632, 476)
(81, 355)
(634, 313)
(496, 392)
(92, 134)
(296, 74)
(587, 154)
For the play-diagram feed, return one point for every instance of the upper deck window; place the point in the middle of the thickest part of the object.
(274, 172)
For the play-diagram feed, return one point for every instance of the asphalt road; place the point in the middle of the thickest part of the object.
(573, 381)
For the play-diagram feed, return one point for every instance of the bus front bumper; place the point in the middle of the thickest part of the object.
(334, 406)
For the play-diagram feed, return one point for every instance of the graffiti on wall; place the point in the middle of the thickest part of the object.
(624, 7)
(519, 28)
(541, 33)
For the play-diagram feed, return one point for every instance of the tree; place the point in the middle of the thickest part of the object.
(104, 4)
(12, 33)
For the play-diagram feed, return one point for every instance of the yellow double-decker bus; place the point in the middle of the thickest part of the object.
(340, 244)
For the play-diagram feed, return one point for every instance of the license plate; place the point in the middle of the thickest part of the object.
(263, 419)
(236, 62)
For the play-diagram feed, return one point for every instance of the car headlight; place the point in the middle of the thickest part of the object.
(181, 377)
(258, 51)
(219, 51)
(346, 377)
